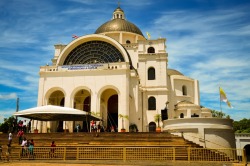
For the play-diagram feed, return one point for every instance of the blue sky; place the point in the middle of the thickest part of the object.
(208, 40)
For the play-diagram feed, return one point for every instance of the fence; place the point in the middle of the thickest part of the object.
(183, 153)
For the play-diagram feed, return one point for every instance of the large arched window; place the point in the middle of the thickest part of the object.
(181, 115)
(184, 90)
(151, 73)
(92, 52)
(151, 103)
(151, 50)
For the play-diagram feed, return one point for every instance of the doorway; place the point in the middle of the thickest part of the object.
(151, 127)
(112, 112)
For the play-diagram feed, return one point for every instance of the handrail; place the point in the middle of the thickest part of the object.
(183, 153)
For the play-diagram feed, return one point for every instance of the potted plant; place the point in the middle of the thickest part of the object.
(35, 130)
(157, 120)
(123, 117)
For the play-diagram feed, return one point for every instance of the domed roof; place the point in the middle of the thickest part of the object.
(173, 72)
(118, 23)
(183, 105)
(118, 9)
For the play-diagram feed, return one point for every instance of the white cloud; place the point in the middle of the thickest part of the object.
(8, 96)
(212, 47)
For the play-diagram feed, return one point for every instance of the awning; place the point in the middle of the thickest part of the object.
(55, 113)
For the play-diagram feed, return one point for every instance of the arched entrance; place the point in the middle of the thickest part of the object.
(113, 112)
(56, 98)
(109, 109)
(82, 101)
(151, 127)
(247, 149)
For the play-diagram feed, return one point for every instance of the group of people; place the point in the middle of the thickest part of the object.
(96, 127)
(24, 125)
(27, 147)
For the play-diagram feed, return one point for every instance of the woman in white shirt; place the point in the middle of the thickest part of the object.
(10, 138)
(24, 146)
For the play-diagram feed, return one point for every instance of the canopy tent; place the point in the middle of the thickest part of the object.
(55, 113)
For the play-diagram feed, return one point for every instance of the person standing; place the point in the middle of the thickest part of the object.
(20, 136)
(53, 145)
(29, 126)
(24, 146)
(31, 148)
(8, 152)
(10, 138)
(24, 126)
(78, 128)
(1, 150)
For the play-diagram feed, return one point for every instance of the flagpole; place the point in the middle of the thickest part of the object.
(220, 100)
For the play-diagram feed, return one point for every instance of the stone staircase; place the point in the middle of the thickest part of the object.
(73, 140)
(103, 139)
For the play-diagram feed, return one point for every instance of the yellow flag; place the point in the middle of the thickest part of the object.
(223, 97)
(148, 35)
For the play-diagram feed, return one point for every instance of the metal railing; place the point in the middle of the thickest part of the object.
(183, 153)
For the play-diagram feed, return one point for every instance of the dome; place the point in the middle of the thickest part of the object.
(184, 105)
(118, 23)
(173, 72)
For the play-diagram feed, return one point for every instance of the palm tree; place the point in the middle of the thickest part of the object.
(123, 117)
(158, 119)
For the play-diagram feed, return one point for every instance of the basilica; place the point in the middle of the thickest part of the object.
(121, 76)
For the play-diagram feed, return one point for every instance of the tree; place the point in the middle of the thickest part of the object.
(219, 114)
(6, 126)
(157, 119)
(242, 126)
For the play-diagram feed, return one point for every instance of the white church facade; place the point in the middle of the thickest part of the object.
(117, 71)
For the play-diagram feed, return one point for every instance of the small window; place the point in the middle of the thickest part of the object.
(151, 50)
(181, 115)
(184, 90)
(127, 42)
(151, 103)
(151, 73)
